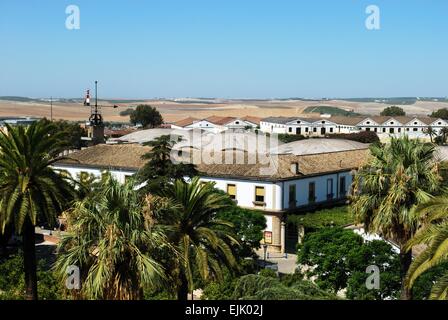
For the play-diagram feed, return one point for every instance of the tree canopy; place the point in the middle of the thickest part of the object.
(441, 113)
(147, 116)
(393, 111)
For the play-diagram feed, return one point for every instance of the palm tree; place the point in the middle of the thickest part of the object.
(430, 132)
(444, 132)
(433, 234)
(398, 177)
(111, 239)
(30, 190)
(204, 242)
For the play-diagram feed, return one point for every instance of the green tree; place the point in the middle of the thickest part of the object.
(147, 116)
(441, 113)
(30, 190)
(433, 234)
(339, 259)
(248, 226)
(398, 177)
(393, 111)
(203, 241)
(72, 133)
(444, 134)
(159, 168)
(112, 238)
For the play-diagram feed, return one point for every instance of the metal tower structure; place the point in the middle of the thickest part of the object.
(95, 123)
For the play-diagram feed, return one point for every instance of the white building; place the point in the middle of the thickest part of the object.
(413, 126)
(216, 124)
(302, 180)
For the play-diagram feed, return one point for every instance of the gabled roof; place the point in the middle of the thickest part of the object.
(252, 119)
(219, 120)
(349, 121)
(185, 122)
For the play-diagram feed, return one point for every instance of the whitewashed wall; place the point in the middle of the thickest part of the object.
(245, 192)
(120, 175)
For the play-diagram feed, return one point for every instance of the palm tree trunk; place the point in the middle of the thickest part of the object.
(182, 290)
(405, 262)
(29, 257)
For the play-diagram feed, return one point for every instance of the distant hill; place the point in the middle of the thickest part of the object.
(398, 100)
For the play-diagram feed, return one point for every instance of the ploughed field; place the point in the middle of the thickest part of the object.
(174, 110)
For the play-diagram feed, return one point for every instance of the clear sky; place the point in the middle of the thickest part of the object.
(224, 48)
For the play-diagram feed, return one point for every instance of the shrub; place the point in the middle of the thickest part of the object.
(362, 136)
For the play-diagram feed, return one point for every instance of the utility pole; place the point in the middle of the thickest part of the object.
(51, 109)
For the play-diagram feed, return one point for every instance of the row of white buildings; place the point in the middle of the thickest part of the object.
(308, 126)
(329, 125)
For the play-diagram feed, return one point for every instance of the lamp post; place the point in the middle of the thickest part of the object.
(265, 249)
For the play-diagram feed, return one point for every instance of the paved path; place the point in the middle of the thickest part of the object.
(285, 265)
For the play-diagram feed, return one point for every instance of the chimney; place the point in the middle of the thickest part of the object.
(295, 168)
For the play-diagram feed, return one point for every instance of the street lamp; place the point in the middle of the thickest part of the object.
(265, 249)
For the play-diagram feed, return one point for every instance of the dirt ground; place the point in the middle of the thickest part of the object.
(173, 111)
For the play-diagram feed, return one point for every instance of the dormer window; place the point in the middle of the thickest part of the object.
(295, 167)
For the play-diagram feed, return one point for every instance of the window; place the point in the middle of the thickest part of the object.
(314, 129)
(298, 121)
(323, 121)
(376, 130)
(292, 195)
(312, 192)
(237, 122)
(331, 129)
(342, 187)
(367, 129)
(290, 129)
(306, 129)
(415, 129)
(259, 194)
(231, 191)
(391, 122)
(384, 129)
(368, 122)
(399, 129)
(330, 189)
(407, 129)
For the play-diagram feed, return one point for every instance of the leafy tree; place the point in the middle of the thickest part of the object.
(30, 190)
(444, 134)
(441, 113)
(339, 258)
(287, 138)
(71, 133)
(248, 226)
(147, 116)
(399, 176)
(126, 112)
(256, 287)
(393, 111)
(433, 234)
(362, 136)
(111, 239)
(203, 241)
(159, 169)
(12, 284)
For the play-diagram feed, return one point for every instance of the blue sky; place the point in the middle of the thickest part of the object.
(224, 48)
